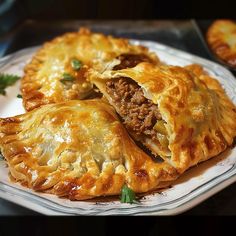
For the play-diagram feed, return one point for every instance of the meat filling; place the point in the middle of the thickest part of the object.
(131, 60)
(139, 113)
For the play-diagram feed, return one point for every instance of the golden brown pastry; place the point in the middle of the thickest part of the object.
(79, 150)
(221, 37)
(181, 114)
(58, 71)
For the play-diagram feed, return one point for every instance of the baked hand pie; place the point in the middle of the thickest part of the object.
(221, 37)
(181, 114)
(78, 149)
(58, 71)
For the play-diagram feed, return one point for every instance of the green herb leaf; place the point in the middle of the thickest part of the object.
(7, 80)
(76, 64)
(19, 95)
(127, 195)
(67, 78)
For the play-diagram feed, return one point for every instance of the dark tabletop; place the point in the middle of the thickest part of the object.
(184, 35)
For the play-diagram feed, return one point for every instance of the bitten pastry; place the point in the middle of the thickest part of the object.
(58, 71)
(180, 114)
(221, 37)
(79, 150)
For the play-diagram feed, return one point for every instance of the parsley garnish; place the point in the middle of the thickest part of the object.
(19, 96)
(76, 64)
(7, 80)
(67, 78)
(127, 195)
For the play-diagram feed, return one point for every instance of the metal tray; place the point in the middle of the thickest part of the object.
(201, 28)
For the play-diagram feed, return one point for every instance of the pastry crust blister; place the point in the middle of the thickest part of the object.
(221, 37)
(77, 149)
(200, 118)
(41, 83)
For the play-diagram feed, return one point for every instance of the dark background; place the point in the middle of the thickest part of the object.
(52, 10)
(113, 9)
(128, 9)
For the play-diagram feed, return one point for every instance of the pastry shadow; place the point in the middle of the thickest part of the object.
(199, 169)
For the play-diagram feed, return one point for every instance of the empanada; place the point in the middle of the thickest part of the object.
(78, 149)
(221, 37)
(181, 114)
(58, 71)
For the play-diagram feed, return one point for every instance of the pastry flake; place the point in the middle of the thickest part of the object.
(79, 150)
(52, 75)
(180, 114)
(221, 37)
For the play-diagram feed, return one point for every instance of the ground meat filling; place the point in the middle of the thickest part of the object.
(139, 113)
(131, 60)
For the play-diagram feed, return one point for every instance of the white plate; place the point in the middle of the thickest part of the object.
(190, 189)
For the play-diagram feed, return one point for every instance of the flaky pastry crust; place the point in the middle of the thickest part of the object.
(42, 82)
(221, 37)
(200, 119)
(79, 150)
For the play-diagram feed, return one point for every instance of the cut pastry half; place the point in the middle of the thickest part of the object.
(58, 70)
(180, 114)
(79, 150)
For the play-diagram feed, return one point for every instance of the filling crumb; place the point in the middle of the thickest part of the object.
(140, 114)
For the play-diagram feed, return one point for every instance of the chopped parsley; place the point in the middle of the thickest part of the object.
(76, 64)
(7, 80)
(66, 77)
(19, 96)
(127, 195)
